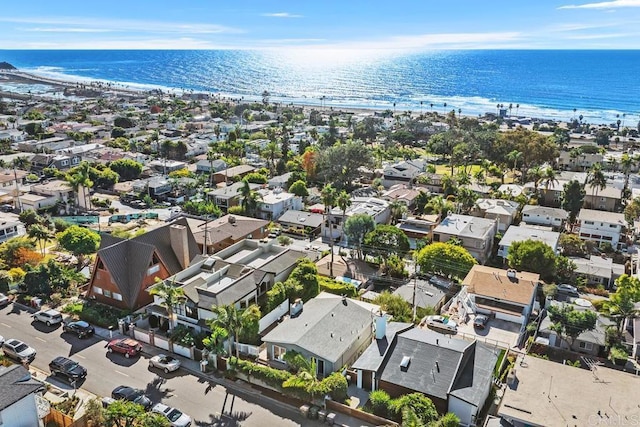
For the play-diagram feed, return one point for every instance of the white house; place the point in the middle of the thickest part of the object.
(601, 226)
(377, 209)
(542, 215)
(503, 211)
(10, 229)
(276, 202)
(517, 233)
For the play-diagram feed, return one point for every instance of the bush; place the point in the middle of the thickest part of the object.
(95, 313)
(380, 401)
(273, 377)
(338, 288)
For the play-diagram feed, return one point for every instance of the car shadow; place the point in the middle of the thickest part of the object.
(42, 327)
(175, 374)
(79, 344)
(63, 383)
(120, 360)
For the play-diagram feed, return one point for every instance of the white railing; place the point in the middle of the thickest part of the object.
(161, 342)
(274, 315)
(182, 351)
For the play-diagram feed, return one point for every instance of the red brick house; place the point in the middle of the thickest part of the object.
(125, 268)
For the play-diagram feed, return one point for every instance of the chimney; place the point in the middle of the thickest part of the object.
(180, 243)
(381, 326)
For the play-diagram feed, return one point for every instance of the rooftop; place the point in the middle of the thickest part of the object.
(494, 282)
(465, 226)
(15, 384)
(517, 234)
(602, 216)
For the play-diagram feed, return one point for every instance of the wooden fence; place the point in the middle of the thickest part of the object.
(63, 420)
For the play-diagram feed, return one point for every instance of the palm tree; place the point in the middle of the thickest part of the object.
(171, 295)
(514, 156)
(343, 200)
(548, 178)
(329, 197)
(40, 233)
(535, 175)
(80, 178)
(249, 199)
(627, 163)
(211, 156)
(398, 209)
(231, 319)
(596, 180)
(272, 152)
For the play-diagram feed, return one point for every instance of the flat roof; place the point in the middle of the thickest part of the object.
(551, 394)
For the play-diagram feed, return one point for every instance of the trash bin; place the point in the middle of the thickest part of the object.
(111, 331)
(203, 365)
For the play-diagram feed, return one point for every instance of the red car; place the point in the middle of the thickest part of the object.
(125, 346)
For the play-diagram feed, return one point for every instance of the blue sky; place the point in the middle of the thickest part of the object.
(328, 24)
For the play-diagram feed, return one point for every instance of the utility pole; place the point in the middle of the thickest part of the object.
(415, 287)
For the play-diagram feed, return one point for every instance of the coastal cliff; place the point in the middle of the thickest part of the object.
(6, 66)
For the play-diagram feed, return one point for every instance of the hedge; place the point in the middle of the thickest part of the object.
(273, 377)
(338, 288)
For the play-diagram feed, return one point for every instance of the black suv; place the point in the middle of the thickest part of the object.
(67, 368)
(80, 328)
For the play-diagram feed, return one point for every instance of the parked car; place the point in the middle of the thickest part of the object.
(106, 401)
(1, 340)
(164, 362)
(131, 394)
(568, 289)
(4, 300)
(6, 208)
(67, 368)
(175, 417)
(442, 323)
(17, 350)
(125, 346)
(48, 317)
(81, 328)
(480, 321)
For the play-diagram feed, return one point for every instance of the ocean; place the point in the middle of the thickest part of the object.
(600, 85)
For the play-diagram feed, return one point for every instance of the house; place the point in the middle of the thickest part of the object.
(601, 227)
(333, 330)
(517, 233)
(45, 195)
(402, 194)
(225, 231)
(403, 172)
(229, 195)
(511, 190)
(232, 174)
(578, 161)
(598, 270)
(273, 203)
(125, 268)
(279, 181)
(377, 209)
(591, 342)
(457, 375)
(10, 180)
(237, 275)
(155, 186)
(11, 229)
(301, 223)
(476, 234)
(503, 211)
(542, 215)
(506, 294)
(205, 166)
(20, 397)
(418, 228)
(544, 393)
(166, 166)
(422, 293)
(603, 199)
(40, 162)
(48, 144)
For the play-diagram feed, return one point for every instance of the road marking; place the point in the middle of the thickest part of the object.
(5, 325)
(38, 338)
(121, 373)
(80, 356)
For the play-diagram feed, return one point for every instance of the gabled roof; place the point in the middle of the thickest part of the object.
(327, 327)
(15, 384)
(128, 260)
(545, 211)
(440, 365)
(494, 283)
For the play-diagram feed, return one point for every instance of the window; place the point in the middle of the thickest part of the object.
(586, 345)
(278, 352)
(153, 269)
(613, 226)
(97, 290)
(117, 296)
(64, 162)
(589, 222)
(107, 293)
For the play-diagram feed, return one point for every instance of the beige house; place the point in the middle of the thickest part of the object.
(475, 234)
(503, 211)
(606, 199)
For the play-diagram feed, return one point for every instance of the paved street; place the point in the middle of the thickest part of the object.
(203, 400)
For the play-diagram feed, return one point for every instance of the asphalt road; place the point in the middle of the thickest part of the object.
(208, 403)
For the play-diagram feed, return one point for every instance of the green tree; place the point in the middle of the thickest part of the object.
(569, 323)
(572, 245)
(343, 200)
(417, 403)
(79, 241)
(396, 306)
(249, 334)
(153, 419)
(299, 188)
(232, 320)
(445, 259)
(533, 256)
(573, 199)
(632, 211)
(123, 414)
(305, 275)
(40, 234)
(597, 181)
(447, 420)
(172, 296)
(250, 199)
(386, 240)
(29, 217)
(356, 228)
(622, 303)
(127, 169)
(340, 163)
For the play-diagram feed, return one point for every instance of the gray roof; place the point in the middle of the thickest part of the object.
(517, 233)
(602, 216)
(128, 260)
(15, 384)
(326, 328)
(426, 294)
(546, 211)
(282, 262)
(440, 365)
(465, 226)
(373, 356)
(306, 219)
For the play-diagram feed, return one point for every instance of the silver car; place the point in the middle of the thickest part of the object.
(164, 362)
(175, 417)
(18, 350)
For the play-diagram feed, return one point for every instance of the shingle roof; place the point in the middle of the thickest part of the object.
(373, 356)
(326, 328)
(15, 384)
(494, 282)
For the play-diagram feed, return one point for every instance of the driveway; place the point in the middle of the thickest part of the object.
(497, 332)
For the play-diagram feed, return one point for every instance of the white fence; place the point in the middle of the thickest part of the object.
(273, 316)
(161, 342)
(141, 336)
(182, 351)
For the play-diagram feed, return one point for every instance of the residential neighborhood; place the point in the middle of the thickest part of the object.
(346, 267)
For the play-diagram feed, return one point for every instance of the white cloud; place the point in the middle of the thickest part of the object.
(282, 15)
(64, 30)
(614, 4)
(184, 43)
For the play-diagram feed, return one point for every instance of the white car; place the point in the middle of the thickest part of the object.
(164, 362)
(175, 417)
(4, 300)
(18, 350)
(49, 317)
(442, 324)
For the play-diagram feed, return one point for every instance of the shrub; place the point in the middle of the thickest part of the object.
(95, 313)
(338, 288)
(380, 401)
(273, 377)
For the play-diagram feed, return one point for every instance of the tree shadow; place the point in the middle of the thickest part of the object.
(210, 385)
(154, 389)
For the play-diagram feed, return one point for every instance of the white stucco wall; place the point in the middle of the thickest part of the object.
(23, 413)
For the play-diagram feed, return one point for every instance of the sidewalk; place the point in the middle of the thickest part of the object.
(238, 387)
